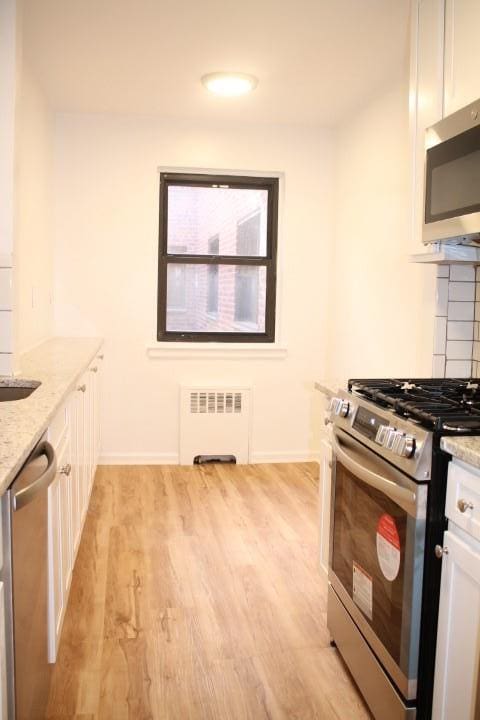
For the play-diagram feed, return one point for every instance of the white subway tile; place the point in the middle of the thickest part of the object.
(477, 273)
(6, 363)
(459, 330)
(442, 297)
(476, 351)
(462, 272)
(438, 366)
(459, 350)
(477, 290)
(439, 335)
(6, 331)
(6, 289)
(463, 291)
(443, 271)
(458, 368)
(460, 310)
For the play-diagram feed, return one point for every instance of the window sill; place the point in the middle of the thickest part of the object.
(216, 351)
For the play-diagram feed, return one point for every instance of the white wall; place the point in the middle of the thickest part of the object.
(33, 254)
(106, 235)
(382, 307)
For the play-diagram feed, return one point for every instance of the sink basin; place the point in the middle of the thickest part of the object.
(17, 392)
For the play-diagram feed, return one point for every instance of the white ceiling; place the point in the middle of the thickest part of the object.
(315, 59)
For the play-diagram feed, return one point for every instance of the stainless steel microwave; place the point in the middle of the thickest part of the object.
(452, 178)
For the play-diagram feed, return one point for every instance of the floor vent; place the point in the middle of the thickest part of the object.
(215, 422)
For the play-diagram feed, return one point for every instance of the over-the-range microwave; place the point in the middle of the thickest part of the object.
(452, 178)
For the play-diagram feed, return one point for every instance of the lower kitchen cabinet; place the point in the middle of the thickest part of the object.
(456, 692)
(74, 435)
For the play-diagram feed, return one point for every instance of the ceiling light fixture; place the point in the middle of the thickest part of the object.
(229, 84)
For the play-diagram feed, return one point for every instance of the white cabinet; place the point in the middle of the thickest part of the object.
(324, 489)
(426, 94)
(74, 433)
(462, 53)
(458, 641)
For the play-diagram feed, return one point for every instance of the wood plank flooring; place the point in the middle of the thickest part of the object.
(196, 596)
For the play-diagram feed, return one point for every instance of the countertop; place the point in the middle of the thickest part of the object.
(56, 364)
(330, 387)
(463, 448)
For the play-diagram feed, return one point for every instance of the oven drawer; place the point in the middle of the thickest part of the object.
(463, 497)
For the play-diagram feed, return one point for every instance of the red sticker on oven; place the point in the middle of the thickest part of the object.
(388, 547)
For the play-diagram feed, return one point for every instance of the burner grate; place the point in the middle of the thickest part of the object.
(444, 405)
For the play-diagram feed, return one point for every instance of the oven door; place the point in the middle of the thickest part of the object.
(377, 545)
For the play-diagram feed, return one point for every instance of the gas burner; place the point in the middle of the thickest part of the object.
(446, 405)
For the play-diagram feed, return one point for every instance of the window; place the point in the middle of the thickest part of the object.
(217, 258)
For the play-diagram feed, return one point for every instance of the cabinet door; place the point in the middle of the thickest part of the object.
(462, 53)
(324, 489)
(458, 641)
(65, 473)
(426, 93)
(75, 511)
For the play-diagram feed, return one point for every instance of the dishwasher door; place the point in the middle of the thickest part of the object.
(29, 534)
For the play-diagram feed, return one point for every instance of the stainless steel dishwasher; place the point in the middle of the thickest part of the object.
(25, 573)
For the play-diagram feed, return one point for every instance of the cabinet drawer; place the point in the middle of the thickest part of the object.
(463, 497)
(58, 427)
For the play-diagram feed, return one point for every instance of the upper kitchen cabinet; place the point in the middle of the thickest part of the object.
(462, 54)
(426, 92)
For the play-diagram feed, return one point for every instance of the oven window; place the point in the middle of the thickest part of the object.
(373, 557)
(453, 177)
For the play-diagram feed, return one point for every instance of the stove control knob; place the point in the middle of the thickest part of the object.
(341, 407)
(407, 446)
(381, 434)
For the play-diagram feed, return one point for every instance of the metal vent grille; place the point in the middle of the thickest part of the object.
(215, 402)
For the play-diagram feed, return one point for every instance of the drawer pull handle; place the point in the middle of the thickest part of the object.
(82, 388)
(94, 369)
(440, 551)
(66, 469)
(100, 357)
(464, 505)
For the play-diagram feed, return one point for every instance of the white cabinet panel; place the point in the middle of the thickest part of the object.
(74, 431)
(325, 487)
(426, 92)
(462, 54)
(463, 497)
(458, 641)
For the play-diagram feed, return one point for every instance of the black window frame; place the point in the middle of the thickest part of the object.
(269, 260)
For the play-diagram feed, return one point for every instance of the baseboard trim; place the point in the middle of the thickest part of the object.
(285, 457)
(134, 459)
(173, 458)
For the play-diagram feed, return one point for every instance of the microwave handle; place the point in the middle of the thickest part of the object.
(398, 494)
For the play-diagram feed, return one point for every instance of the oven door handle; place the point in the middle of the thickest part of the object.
(402, 496)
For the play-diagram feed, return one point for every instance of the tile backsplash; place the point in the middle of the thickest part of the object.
(456, 349)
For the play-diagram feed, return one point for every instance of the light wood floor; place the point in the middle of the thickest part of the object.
(196, 596)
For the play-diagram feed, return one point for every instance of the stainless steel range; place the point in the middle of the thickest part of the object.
(387, 524)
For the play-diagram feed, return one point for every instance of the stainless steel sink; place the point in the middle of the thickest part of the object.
(17, 392)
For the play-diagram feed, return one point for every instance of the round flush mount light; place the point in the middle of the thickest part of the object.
(229, 84)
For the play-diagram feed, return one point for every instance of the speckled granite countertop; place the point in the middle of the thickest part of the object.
(466, 449)
(56, 364)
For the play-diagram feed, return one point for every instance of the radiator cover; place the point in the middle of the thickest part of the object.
(215, 421)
